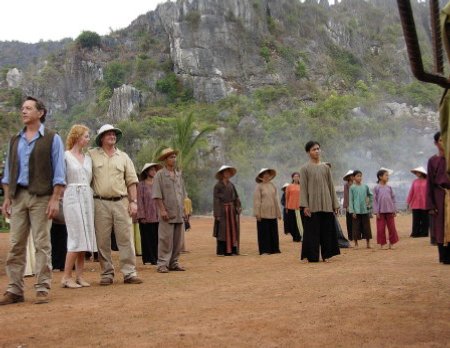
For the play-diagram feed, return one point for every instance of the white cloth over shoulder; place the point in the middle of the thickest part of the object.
(78, 204)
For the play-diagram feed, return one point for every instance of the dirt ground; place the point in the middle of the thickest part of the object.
(363, 298)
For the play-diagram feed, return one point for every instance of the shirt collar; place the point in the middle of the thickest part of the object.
(167, 173)
(116, 152)
(41, 130)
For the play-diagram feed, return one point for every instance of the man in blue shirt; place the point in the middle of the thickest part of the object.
(33, 181)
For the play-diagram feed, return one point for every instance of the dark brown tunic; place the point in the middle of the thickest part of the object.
(226, 200)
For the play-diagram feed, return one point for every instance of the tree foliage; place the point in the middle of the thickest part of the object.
(88, 39)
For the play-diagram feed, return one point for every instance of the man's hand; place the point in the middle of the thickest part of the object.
(132, 209)
(6, 208)
(164, 215)
(258, 218)
(307, 212)
(52, 208)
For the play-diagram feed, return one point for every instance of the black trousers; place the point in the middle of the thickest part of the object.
(292, 226)
(420, 223)
(319, 237)
(349, 223)
(268, 240)
(149, 242)
(444, 253)
(58, 238)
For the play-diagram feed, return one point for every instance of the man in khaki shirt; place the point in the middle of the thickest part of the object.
(114, 183)
(169, 193)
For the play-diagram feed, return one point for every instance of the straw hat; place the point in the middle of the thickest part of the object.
(390, 171)
(224, 167)
(149, 165)
(419, 170)
(107, 128)
(284, 186)
(349, 172)
(272, 172)
(166, 153)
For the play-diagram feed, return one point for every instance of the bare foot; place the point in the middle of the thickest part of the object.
(304, 261)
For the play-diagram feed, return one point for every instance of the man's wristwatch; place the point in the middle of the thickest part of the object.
(134, 201)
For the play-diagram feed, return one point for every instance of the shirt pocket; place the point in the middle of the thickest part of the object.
(120, 171)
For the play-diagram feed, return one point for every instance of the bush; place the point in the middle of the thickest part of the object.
(193, 18)
(174, 89)
(300, 69)
(88, 39)
(265, 53)
(114, 74)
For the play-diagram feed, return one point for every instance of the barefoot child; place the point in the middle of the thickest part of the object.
(384, 208)
(360, 202)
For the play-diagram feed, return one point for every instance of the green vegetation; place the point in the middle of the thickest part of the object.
(193, 18)
(88, 39)
(173, 89)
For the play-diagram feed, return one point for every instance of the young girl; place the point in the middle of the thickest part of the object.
(292, 208)
(384, 208)
(417, 202)
(360, 202)
(348, 178)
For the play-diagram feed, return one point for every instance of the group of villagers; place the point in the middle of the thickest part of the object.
(309, 204)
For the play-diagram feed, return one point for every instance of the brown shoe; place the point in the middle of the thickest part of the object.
(41, 297)
(10, 298)
(106, 281)
(162, 269)
(133, 280)
(177, 268)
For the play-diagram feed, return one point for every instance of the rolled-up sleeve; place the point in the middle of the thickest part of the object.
(59, 165)
(130, 173)
(156, 189)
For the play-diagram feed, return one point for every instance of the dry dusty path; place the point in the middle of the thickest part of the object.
(364, 298)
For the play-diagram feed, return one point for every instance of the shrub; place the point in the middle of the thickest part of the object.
(88, 39)
(300, 69)
(114, 74)
(193, 18)
(265, 53)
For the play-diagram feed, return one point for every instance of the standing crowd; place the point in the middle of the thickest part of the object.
(102, 195)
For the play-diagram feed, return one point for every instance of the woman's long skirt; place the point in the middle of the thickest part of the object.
(268, 240)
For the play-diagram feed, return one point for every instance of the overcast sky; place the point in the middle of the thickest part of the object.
(31, 21)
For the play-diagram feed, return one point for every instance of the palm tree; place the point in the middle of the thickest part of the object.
(187, 139)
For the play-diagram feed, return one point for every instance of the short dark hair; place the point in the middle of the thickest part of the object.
(310, 144)
(380, 173)
(436, 136)
(39, 105)
(356, 172)
(292, 175)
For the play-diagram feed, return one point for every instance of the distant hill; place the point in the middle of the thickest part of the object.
(269, 74)
(20, 55)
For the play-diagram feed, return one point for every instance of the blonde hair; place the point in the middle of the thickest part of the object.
(75, 133)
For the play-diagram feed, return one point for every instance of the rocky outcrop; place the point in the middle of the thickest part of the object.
(125, 100)
(64, 85)
(215, 45)
(14, 78)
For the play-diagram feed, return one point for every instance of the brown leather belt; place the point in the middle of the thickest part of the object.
(113, 199)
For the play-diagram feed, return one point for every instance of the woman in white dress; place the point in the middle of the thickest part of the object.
(78, 204)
